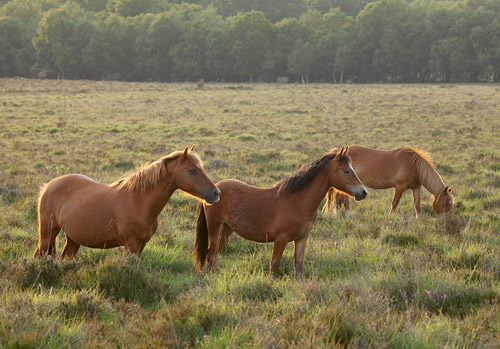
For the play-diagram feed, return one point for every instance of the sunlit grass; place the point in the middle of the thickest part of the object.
(370, 279)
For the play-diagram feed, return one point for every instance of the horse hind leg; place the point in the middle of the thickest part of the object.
(341, 199)
(70, 249)
(217, 240)
(298, 257)
(48, 229)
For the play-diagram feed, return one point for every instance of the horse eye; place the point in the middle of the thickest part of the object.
(193, 171)
(345, 171)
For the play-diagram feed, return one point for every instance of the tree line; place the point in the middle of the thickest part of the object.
(259, 40)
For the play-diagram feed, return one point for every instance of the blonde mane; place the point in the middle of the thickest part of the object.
(152, 173)
(426, 170)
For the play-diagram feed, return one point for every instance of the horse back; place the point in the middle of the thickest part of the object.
(382, 169)
(249, 211)
(72, 195)
(69, 185)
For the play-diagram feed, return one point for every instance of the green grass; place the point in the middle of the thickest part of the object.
(371, 279)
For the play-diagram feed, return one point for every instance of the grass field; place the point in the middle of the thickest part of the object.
(371, 280)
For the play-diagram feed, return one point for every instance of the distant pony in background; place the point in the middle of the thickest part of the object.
(402, 169)
(124, 213)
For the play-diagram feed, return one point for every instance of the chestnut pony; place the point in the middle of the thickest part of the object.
(402, 169)
(124, 213)
(283, 213)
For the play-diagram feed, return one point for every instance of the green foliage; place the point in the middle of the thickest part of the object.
(238, 40)
(251, 35)
(62, 37)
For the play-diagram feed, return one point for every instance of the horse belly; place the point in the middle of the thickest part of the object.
(92, 234)
(90, 224)
(250, 229)
(253, 232)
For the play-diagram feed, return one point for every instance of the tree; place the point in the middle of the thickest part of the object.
(19, 19)
(301, 61)
(159, 34)
(62, 36)
(332, 35)
(274, 10)
(251, 37)
(132, 8)
(110, 53)
(10, 33)
(349, 7)
(286, 34)
(189, 55)
(380, 22)
(486, 44)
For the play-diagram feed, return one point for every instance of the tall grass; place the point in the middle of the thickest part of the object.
(370, 279)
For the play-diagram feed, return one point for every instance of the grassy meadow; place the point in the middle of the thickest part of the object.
(370, 279)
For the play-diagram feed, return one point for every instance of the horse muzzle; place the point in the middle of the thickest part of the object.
(360, 194)
(213, 197)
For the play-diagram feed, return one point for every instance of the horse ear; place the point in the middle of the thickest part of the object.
(341, 153)
(450, 188)
(184, 153)
(192, 148)
(338, 153)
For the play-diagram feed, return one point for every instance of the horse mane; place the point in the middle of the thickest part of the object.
(149, 175)
(425, 169)
(307, 173)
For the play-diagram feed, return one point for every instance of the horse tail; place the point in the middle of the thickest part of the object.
(330, 200)
(38, 252)
(201, 238)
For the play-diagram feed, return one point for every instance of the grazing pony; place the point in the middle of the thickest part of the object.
(124, 213)
(402, 169)
(283, 213)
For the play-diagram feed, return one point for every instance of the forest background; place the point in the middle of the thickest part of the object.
(261, 40)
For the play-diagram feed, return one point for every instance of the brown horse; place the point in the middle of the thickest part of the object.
(283, 213)
(402, 169)
(124, 213)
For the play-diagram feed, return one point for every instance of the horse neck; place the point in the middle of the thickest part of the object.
(313, 194)
(156, 198)
(430, 178)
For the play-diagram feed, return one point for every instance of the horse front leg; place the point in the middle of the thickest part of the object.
(416, 200)
(298, 257)
(134, 246)
(398, 192)
(279, 246)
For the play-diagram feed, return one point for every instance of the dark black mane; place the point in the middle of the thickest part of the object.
(306, 174)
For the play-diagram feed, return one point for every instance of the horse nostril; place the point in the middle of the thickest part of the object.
(217, 193)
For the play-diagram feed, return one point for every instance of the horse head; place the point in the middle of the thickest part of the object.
(191, 178)
(344, 178)
(443, 202)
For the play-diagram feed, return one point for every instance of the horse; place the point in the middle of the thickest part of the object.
(125, 213)
(402, 169)
(286, 212)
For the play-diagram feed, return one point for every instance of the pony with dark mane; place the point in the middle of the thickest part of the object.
(124, 213)
(283, 213)
(402, 169)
